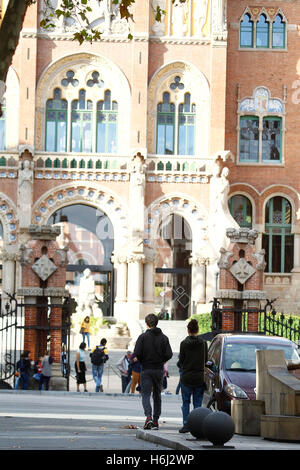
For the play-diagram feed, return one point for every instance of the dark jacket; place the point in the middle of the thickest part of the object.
(192, 359)
(153, 349)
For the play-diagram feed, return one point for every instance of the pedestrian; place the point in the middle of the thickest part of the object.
(85, 330)
(192, 359)
(152, 349)
(99, 356)
(135, 374)
(46, 373)
(25, 369)
(38, 369)
(80, 367)
(123, 366)
(18, 372)
(165, 380)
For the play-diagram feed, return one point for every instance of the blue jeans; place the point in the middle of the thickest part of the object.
(97, 375)
(187, 393)
(25, 380)
(88, 338)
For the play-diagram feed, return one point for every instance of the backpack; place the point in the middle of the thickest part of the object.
(97, 356)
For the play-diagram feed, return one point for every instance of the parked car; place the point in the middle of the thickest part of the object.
(230, 371)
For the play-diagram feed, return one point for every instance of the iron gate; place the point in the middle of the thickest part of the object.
(12, 327)
(269, 322)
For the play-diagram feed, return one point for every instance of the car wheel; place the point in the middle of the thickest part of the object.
(212, 404)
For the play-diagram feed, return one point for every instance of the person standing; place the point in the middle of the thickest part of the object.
(46, 371)
(85, 330)
(152, 349)
(80, 367)
(192, 359)
(99, 356)
(123, 366)
(25, 369)
(135, 373)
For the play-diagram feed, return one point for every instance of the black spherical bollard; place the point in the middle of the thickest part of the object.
(218, 428)
(195, 421)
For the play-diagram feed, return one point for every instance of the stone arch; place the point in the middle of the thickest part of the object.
(196, 84)
(283, 191)
(190, 209)
(101, 198)
(83, 64)
(8, 219)
(11, 96)
(251, 194)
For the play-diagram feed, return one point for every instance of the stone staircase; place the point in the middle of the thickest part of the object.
(175, 330)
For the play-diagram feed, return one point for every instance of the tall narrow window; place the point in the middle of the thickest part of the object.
(278, 33)
(271, 139)
(107, 124)
(278, 241)
(165, 126)
(249, 138)
(246, 32)
(2, 126)
(241, 210)
(186, 126)
(56, 123)
(262, 32)
(82, 124)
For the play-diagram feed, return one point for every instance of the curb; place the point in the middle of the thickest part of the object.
(152, 436)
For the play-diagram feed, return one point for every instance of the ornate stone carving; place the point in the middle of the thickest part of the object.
(260, 257)
(25, 254)
(242, 235)
(159, 27)
(63, 254)
(179, 18)
(223, 262)
(44, 267)
(242, 270)
(25, 193)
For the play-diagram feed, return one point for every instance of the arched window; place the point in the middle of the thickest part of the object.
(262, 32)
(246, 31)
(278, 241)
(241, 210)
(56, 123)
(186, 126)
(107, 124)
(278, 33)
(81, 124)
(165, 126)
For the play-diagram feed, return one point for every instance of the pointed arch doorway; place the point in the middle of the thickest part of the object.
(88, 232)
(173, 271)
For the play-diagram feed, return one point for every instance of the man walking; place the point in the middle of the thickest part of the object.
(152, 349)
(99, 356)
(192, 359)
(123, 366)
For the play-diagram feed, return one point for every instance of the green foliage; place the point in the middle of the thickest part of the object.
(204, 322)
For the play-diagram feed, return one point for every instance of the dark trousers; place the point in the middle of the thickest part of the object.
(125, 381)
(44, 379)
(151, 381)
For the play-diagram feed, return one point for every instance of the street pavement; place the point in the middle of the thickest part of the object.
(33, 420)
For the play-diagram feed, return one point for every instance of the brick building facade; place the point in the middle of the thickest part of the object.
(126, 141)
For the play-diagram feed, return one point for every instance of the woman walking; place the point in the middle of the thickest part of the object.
(80, 367)
(85, 330)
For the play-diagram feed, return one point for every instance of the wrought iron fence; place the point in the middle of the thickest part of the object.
(269, 321)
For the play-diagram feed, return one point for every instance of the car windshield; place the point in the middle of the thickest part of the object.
(242, 356)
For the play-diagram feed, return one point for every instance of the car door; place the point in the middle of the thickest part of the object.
(212, 369)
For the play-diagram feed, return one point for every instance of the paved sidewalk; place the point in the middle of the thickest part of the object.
(177, 441)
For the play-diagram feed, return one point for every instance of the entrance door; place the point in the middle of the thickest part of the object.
(173, 272)
(88, 233)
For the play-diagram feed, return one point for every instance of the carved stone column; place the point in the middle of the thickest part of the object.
(9, 259)
(198, 293)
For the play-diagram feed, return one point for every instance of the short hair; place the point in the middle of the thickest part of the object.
(82, 346)
(151, 320)
(103, 341)
(193, 326)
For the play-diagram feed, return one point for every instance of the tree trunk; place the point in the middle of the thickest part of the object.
(10, 32)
